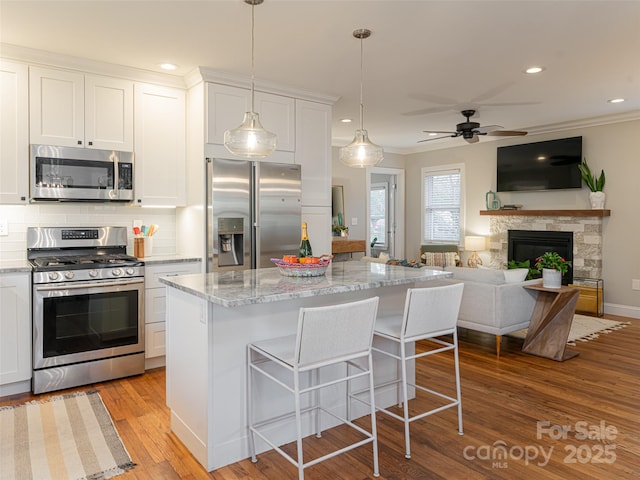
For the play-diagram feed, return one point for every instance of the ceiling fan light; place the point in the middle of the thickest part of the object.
(250, 139)
(362, 152)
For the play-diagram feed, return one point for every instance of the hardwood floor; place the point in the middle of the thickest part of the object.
(520, 402)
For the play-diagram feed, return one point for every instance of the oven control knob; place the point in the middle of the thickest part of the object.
(130, 271)
(93, 273)
(53, 275)
(116, 272)
(68, 275)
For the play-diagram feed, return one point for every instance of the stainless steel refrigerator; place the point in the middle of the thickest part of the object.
(253, 213)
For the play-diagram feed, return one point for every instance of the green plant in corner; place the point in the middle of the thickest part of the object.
(554, 261)
(594, 184)
(525, 264)
(338, 229)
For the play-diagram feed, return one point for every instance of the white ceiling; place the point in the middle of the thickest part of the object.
(438, 57)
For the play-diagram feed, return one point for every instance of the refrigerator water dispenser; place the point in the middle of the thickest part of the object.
(230, 242)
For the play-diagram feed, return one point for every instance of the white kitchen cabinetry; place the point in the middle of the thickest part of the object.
(15, 333)
(14, 133)
(155, 305)
(160, 146)
(226, 106)
(313, 152)
(71, 109)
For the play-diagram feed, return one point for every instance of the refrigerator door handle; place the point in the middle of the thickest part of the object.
(255, 215)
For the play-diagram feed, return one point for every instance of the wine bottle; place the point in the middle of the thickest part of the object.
(305, 245)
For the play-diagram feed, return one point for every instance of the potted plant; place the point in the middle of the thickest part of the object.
(553, 267)
(525, 264)
(596, 185)
(340, 230)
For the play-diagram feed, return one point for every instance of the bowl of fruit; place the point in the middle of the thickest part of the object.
(292, 266)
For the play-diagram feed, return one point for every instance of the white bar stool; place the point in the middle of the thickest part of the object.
(331, 335)
(428, 313)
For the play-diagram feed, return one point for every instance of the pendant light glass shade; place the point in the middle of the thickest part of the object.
(250, 139)
(361, 152)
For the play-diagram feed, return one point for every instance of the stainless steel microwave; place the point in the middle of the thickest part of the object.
(80, 174)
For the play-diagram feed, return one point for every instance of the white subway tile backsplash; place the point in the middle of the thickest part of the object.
(19, 217)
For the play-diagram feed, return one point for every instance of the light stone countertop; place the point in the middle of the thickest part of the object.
(14, 266)
(265, 285)
(162, 259)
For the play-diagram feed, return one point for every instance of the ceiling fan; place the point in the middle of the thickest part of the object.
(470, 130)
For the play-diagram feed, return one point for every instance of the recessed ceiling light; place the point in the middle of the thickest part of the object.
(168, 66)
(616, 100)
(346, 120)
(533, 70)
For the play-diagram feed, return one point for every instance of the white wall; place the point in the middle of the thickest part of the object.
(614, 148)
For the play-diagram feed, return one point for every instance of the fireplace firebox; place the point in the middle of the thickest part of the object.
(530, 244)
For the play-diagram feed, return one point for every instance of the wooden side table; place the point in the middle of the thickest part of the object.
(551, 322)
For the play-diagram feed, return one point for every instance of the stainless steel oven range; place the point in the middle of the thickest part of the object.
(88, 306)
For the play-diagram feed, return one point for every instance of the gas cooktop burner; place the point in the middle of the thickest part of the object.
(75, 262)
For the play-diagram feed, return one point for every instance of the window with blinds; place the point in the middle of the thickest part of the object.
(442, 205)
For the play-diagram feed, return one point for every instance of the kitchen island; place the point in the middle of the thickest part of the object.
(212, 317)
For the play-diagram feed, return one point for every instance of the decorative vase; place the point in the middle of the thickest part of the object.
(551, 278)
(344, 233)
(597, 200)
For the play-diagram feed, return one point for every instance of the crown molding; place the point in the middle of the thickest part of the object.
(206, 74)
(85, 65)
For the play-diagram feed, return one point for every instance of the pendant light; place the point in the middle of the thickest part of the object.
(362, 152)
(250, 139)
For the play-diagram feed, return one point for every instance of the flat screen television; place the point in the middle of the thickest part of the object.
(548, 165)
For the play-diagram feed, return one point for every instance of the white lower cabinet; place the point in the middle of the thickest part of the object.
(155, 305)
(15, 333)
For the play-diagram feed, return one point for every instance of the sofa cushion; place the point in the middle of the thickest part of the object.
(493, 277)
(439, 259)
(515, 275)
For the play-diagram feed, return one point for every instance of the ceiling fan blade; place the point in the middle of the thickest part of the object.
(473, 139)
(436, 138)
(487, 128)
(506, 133)
(441, 132)
(492, 92)
(426, 111)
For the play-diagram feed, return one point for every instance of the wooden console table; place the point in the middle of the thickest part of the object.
(344, 245)
(551, 322)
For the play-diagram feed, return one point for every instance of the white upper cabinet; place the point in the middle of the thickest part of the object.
(14, 133)
(160, 146)
(226, 106)
(313, 152)
(108, 118)
(73, 110)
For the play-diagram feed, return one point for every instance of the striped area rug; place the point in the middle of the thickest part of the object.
(60, 438)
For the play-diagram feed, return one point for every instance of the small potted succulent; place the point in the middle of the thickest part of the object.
(553, 267)
(340, 231)
(596, 185)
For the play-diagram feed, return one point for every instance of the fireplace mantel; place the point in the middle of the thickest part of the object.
(548, 213)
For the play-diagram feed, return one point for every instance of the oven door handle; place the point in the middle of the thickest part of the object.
(83, 285)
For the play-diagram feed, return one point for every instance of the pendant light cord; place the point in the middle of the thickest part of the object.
(361, 83)
(252, 53)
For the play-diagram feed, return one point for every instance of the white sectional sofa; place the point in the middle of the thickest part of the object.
(494, 301)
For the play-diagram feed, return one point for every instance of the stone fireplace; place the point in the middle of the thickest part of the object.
(586, 227)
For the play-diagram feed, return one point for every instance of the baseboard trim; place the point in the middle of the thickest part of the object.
(622, 310)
